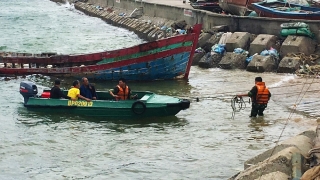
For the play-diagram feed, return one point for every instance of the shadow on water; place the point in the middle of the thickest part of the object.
(258, 123)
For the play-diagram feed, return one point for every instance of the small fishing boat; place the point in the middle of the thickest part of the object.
(146, 104)
(166, 58)
(285, 10)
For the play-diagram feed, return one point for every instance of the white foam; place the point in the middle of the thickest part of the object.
(285, 79)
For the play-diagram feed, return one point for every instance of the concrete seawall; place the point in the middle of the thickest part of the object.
(173, 11)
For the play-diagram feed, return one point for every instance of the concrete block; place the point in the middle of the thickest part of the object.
(151, 34)
(274, 176)
(261, 64)
(203, 38)
(134, 24)
(303, 142)
(122, 20)
(143, 28)
(211, 59)
(104, 14)
(232, 60)
(197, 57)
(262, 42)
(310, 133)
(263, 156)
(296, 44)
(281, 162)
(128, 23)
(289, 64)
(238, 40)
(214, 39)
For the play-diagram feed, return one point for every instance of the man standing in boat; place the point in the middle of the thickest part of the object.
(121, 91)
(74, 92)
(88, 90)
(260, 96)
(56, 93)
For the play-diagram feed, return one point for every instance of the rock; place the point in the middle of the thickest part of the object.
(261, 64)
(289, 65)
(296, 44)
(262, 42)
(238, 40)
(197, 57)
(232, 60)
(211, 59)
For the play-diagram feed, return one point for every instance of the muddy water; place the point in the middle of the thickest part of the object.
(203, 142)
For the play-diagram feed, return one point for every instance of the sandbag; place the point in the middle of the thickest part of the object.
(298, 31)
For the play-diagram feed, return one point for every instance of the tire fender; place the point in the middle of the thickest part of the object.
(134, 107)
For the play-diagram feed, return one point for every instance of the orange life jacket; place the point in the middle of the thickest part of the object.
(123, 93)
(262, 93)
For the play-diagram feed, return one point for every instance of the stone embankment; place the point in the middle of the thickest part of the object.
(146, 28)
(293, 53)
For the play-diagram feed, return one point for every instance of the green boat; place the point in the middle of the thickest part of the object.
(146, 104)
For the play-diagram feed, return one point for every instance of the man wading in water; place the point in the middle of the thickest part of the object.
(260, 96)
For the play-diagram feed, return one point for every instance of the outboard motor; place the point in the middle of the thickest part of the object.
(28, 89)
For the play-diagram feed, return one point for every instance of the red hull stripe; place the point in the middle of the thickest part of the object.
(101, 55)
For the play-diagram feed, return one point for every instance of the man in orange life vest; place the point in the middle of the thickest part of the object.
(260, 96)
(121, 91)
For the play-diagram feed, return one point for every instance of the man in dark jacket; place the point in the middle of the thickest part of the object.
(260, 96)
(87, 90)
(56, 92)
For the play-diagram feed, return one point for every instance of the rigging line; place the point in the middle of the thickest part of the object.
(290, 115)
(234, 92)
(317, 90)
(223, 96)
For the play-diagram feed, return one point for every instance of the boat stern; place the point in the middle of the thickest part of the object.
(28, 89)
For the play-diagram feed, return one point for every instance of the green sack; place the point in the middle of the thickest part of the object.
(298, 32)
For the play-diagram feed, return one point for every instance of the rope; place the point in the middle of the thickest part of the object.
(237, 104)
(226, 94)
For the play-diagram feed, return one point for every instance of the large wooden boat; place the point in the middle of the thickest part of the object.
(166, 58)
(285, 10)
(147, 104)
(237, 7)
